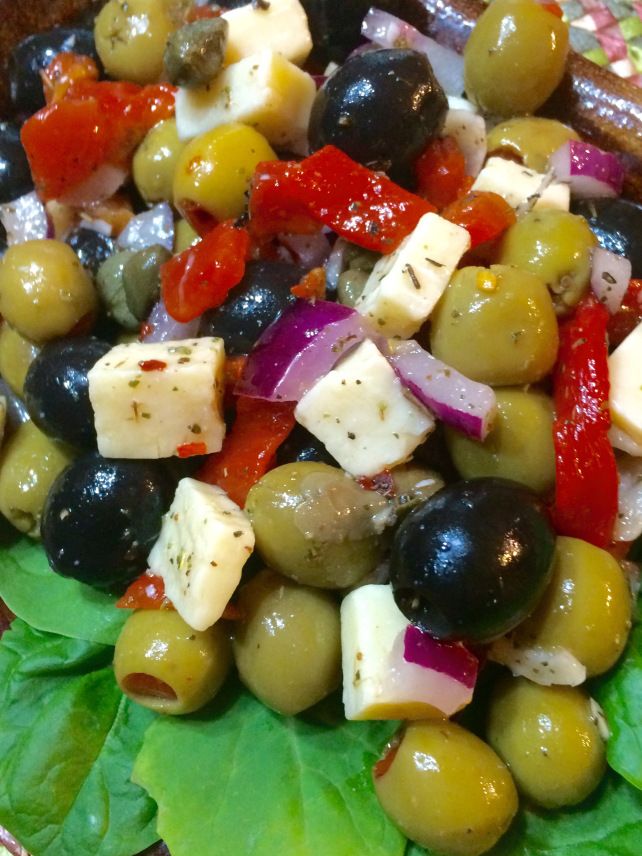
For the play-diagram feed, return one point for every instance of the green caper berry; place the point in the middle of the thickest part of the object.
(111, 289)
(194, 53)
(141, 279)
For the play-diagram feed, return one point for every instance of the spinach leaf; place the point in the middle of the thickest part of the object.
(246, 780)
(53, 603)
(68, 738)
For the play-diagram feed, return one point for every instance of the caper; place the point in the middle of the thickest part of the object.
(164, 664)
(350, 286)
(141, 279)
(155, 161)
(287, 646)
(111, 287)
(550, 739)
(532, 139)
(16, 355)
(316, 525)
(194, 54)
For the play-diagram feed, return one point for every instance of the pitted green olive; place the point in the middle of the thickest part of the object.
(155, 162)
(16, 355)
(532, 139)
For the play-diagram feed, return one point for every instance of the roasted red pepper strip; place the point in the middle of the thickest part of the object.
(485, 215)
(628, 316)
(201, 276)
(145, 592)
(65, 69)
(586, 481)
(311, 286)
(330, 188)
(441, 172)
(258, 430)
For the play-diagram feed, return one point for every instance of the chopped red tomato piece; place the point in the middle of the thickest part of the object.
(201, 276)
(329, 187)
(248, 450)
(146, 592)
(485, 215)
(441, 172)
(63, 70)
(586, 480)
(628, 316)
(312, 285)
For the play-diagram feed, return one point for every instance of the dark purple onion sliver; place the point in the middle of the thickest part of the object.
(447, 658)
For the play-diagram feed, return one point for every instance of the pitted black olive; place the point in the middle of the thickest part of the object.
(91, 247)
(381, 107)
(15, 176)
(617, 224)
(300, 445)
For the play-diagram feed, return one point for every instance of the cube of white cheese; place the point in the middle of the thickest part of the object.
(280, 26)
(378, 683)
(360, 411)
(520, 186)
(625, 376)
(404, 286)
(155, 400)
(204, 542)
(264, 90)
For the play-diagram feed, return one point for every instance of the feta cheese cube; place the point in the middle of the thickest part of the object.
(360, 411)
(154, 400)
(282, 27)
(264, 90)
(404, 286)
(625, 376)
(204, 542)
(520, 186)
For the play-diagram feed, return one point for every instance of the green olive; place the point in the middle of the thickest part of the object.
(164, 664)
(586, 608)
(350, 286)
(532, 139)
(131, 35)
(287, 646)
(555, 245)
(446, 789)
(141, 279)
(316, 525)
(550, 739)
(524, 421)
(155, 162)
(44, 290)
(29, 465)
(184, 236)
(496, 326)
(413, 485)
(194, 54)
(16, 355)
(503, 73)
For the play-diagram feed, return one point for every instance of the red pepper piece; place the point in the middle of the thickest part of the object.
(152, 365)
(628, 316)
(586, 481)
(201, 276)
(312, 285)
(329, 187)
(65, 69)
(189, 450)
(146, 592)
(441, 172)
(258, 430)
(485, 215)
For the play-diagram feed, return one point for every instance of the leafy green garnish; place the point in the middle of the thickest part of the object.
(68, 738)
(245, 780)
(53, 603)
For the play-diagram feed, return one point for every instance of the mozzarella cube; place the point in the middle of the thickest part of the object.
(264, 90)
(378, 683)
(625, 376)
(404, 286)
(282, 27)
(155, 400)
(520, 186)
(204, 542)
(360, 411)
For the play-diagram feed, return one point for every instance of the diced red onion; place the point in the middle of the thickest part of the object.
(300, 347)
(590, 171)
(391, 32)
(25, 219)
(453, 398)
(100, 185)
(554, 666)
(310, 251)
(96, 225)
(610, 276)
(449, 658)
(155, 226)
(163, 328)
(334, 264)
(628, 523)
(469, 132)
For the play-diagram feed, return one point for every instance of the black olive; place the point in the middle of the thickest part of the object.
(472, 561)
(56, 389)
(91, 247)
(15, 175)
(253, 304)
(300, 445)
(102, 517)
(33, 54)
(381, 107)
(617, 224)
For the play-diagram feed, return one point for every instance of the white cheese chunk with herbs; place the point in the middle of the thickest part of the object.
(520, 186)
(625, 376)
(153, 400)
(362, 415)
(204, 542)
(264, 90)
(404, 286)
(278, 25)
(378, 683)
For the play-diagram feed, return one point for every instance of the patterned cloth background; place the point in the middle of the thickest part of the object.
(609, 32)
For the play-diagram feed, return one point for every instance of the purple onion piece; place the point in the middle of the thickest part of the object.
(447, 658)
(455, 399)
(590, 171)
(155, 226)
(297, 349)
(310, 251)
(25, 219)
(163, 328)
(610, 276)
(100, 185)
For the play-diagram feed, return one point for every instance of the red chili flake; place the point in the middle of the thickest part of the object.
(382, 482)
(146, 329)
(382, 766)
(188, 450)
(152, 365)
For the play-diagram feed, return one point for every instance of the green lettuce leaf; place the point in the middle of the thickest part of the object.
(68, 738)
(53, 603)
(240, 779)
